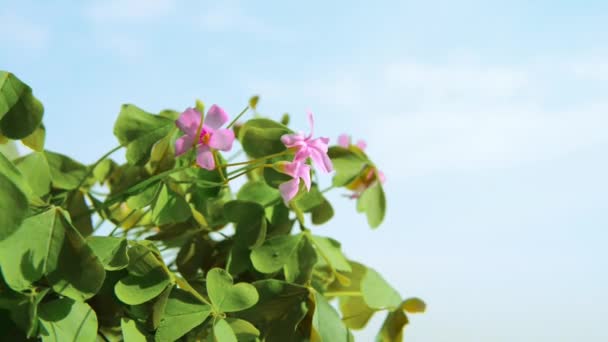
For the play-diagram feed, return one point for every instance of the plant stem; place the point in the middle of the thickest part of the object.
(258, 159)
(238, 117)
(94, 165)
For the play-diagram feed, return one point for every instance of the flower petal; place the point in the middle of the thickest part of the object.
(222, 139)
(361, 144)
(216, 117)
(183, 144)
(189, 121)
(311, 122)
(204, 158)
(289, 189)
(291, 140)
(304, 173)
(344, 140)
(321, 160)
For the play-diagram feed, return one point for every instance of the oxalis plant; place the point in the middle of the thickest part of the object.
(191, 239)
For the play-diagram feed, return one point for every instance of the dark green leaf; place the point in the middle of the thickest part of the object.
(134, 290)
(170, 207)
(13, 198)
(20, 112)
(262, 137)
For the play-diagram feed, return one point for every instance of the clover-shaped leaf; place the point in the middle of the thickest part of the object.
(227, 296)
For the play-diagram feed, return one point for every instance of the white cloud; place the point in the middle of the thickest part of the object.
(23, 32)
(423, 118)
(128, 10)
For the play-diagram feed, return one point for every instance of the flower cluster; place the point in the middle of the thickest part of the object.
(305, 147)
(206, 135)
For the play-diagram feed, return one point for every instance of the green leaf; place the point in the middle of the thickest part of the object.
(355, 311)
(281, 307)
(111, 251)
(134, 290)
(139, 130)
(327, 323)
(35, 141)
(182, 314)
(243, 329)
(35, 168)
(227, 297)
(253, 102)
(392, 328)
(79, 273)
(330, 251)
(66, 173)
(170, 207)
(131, 331)
(20, 112)
(293, 252)
(373, 203)
(258, 191)
(159, 306)
(66, 320)
(322, 213)
(262, 137)
(414, 305)
(377, 293)
(104, 169)
(13, 199)
(33, 250)
(223, 332)
(251, 222)
(306, 201)
(143, 258)
(347, 163)
(79, 210)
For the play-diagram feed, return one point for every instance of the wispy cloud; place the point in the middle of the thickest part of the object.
(128, 10)
(22, 32)
(455, 117)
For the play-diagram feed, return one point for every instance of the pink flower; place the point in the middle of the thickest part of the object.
(344, 141)
(211, 136)
(307, 147)
(298, 170)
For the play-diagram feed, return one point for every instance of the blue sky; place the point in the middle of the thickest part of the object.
(490, 119)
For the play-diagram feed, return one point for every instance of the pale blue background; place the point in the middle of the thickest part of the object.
(488, 117)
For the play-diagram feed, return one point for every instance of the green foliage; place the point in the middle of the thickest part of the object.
(157, 249)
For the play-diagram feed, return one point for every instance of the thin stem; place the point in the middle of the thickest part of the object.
(238, 117)
(327, 189)
(218, 166)
(343, 293)
(92, 167)
(258, 159)
(247, 171)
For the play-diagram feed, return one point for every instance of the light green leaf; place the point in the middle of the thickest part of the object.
(258, 191)
(347, 163)
(35, 169)
(111, 251)
(131, 331)
(227, 297)
(170, 207)
(274, 253)
(33, 250)
(329, 250)
(182, 314)
(35, 141)
(20, 112)
(373, 203)
(377, 293)
(139, 130)
(66, 320)
(243, 329)
(223, 332)
(355, 311)
(79, 210)
(327, 323)
(66, 173)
